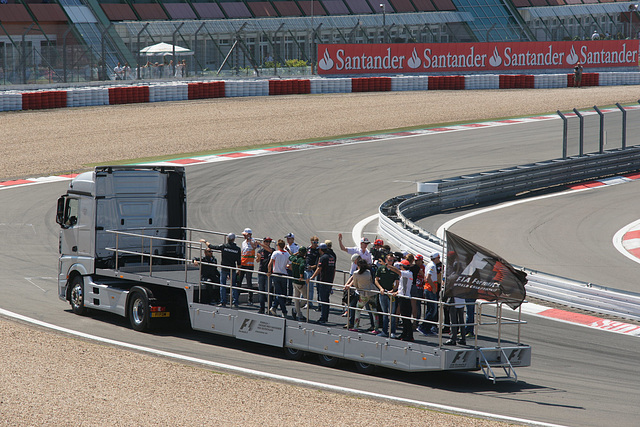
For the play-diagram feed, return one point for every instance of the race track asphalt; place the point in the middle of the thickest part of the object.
(579, 376)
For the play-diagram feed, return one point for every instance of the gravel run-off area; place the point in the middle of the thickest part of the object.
(41, 382)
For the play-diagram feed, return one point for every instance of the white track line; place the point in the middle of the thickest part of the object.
(448, 224)
(618, 242)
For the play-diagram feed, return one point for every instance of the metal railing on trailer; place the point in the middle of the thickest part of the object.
(489, 321)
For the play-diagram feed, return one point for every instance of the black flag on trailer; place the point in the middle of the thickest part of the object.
(477, 273)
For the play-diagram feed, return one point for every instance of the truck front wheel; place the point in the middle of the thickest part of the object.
(139, 315)
(76, 296)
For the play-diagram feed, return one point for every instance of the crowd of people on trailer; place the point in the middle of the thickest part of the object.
(380, 281)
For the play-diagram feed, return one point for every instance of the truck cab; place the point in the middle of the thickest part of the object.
(142, 200)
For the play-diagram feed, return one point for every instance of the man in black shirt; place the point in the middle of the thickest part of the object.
(312, 262)
(230, 258)
(209, 274)
(325, 271)
(263, 257)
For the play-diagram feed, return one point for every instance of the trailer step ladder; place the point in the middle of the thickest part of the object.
(500, 361)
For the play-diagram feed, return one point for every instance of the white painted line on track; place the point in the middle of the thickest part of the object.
(600, 183)
(619, 243)
(356, 233)
(448, 224)
(30, 280)
(267, 375)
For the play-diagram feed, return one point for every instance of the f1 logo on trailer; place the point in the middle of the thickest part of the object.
(247, 326)
(426, 57)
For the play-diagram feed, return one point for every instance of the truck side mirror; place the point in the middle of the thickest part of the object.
(60, 210)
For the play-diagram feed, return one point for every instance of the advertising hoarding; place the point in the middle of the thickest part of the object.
(464, 57)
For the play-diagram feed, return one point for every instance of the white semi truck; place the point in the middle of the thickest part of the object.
(125, 249)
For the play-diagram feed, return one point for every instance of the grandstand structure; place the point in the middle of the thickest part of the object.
(52, 41)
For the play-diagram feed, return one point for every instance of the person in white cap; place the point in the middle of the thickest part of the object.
(430, 287)
(363, 251)
(230, 261)
(247, 261)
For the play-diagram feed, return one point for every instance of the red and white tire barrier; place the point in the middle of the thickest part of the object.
(182, 91)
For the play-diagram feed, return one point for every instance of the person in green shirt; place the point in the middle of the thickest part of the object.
(386, 277)
(298, 265)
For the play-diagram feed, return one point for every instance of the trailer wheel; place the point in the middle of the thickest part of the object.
(139, 315)
(293, 353)
(328, 361)
(76, 296)
(365, 368)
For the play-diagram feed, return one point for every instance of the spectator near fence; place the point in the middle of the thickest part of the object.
(118, 70)
(577, 75)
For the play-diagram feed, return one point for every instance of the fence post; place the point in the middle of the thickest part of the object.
(173, 39)
(195, 61)
(581, 130)
(139, 67)
(64, 55)
(24, 53)
(601, 114)
(624, 125)
(564, 133)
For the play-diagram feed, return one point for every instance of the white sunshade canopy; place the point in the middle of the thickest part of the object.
(165, 49)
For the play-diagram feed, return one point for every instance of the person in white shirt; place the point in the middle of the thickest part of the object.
(431, 288)
(363, 251)
(404, 300)
(278, 266)
(119, 72)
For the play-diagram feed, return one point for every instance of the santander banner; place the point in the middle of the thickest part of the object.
(457, 57)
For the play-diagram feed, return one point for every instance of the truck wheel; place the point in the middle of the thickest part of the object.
(76, 296)
(365, 368)
(139, 315)
(293, 353)
(328, 361)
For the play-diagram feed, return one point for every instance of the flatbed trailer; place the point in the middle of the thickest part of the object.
(147, 275)
(150, 292)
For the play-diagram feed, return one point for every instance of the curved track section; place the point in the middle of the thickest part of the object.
(569, 235)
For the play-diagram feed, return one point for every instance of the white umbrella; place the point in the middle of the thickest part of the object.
(165, 49)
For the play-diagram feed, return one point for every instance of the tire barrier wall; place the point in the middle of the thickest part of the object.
(371, 84)
(180, 91)
(128, 95)
(204, 90)
(44, 100)
(446, 82)
(289, 87)
(397, 216)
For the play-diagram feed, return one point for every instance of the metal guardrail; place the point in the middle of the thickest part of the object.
(397, 216)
